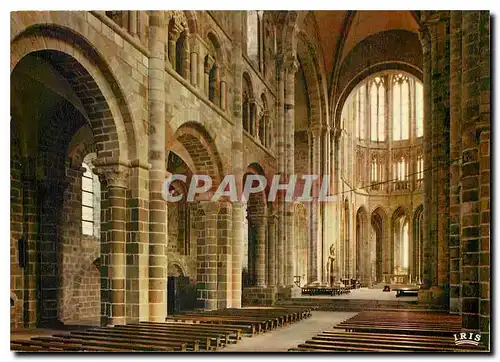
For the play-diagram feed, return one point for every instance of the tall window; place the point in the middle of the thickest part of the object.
(377, 107)
(87, 201)
(401, 108)
(400, 169)
(405, 249)
(361, 109)
(375, 176)
(253, 35)
(419, 108)
(420, 167)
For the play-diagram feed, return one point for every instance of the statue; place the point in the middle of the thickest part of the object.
(329, 265)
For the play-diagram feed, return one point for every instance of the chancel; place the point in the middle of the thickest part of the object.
(181, 180)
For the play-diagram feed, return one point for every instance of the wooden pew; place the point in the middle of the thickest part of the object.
(220, 337)
(319, 347)
(214, 339)
(252, 326)
(437, 343)
(234, 334)
(84, 346)
(178, 343)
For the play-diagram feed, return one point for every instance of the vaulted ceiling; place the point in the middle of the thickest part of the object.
(340, 31)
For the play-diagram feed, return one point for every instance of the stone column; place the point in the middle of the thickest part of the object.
(223, 95)
(156, 157)
(113, 262)
(260, 248)
(455, 156)
(428, 270)
(314, 261)
(137, 288)
(30, 222)
(325, 172)
(210, 274)
(475, 171)
(280, 143)
(224, 251)
(194, 69)
(49, 203)
(291, 67)
(271, 254)
(237, 160)
(132, 22)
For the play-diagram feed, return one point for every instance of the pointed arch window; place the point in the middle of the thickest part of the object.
(375, 175)
(377, 110)
(419, 108)
(420, 167)
(361, 111)
(401, 108)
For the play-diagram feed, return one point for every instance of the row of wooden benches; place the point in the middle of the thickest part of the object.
(325, 290)
(250, 320)
(201, 331)
(383, 331)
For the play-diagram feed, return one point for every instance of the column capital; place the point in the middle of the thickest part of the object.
(315, 130)
(112, 175)
(291, 64)
(209, 62)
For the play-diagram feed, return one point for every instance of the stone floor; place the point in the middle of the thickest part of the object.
(364, 293)
(281, 339)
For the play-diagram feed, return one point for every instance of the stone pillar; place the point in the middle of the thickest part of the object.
(156, 156)
(291, 67)
(194, 69)
(441, 127)
(475, 171)
(428, 270)
(113, 262)
(223, 95)
(280, 143)
(314, 261)
(323, 257)
(137, 286)
(210, 275)
(455, 156)
(271, 250)
(224, 251)
(260, 260)
(485, 177)
(132, 22)
(49, 203)
(237, 160)
(30, 222)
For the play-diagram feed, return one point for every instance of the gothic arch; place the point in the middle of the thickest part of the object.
(367, 57)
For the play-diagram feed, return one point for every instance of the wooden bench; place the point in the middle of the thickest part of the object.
(92, 347)
(257, 325)
(233, 333)
(384, 331)
(216, 339)
(178, 343)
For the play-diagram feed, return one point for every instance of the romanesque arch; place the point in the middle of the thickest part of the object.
(79, 90)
